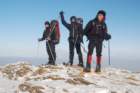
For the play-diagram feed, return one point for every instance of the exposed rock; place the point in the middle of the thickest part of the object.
(13, 71)
(80, 81)
(27, 87)
(55, 77)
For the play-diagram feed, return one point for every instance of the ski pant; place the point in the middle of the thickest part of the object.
(72, 46)
(50, 46)
(94, 44)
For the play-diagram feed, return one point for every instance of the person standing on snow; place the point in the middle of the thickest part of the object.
(80, 40)
(75, 38)
(96, 32)
(51, 35)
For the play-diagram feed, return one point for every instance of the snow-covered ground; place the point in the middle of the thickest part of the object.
(25, 78)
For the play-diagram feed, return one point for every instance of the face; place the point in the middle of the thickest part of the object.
(100, 17)
(78, 21)
(46, 25)
(73, 20)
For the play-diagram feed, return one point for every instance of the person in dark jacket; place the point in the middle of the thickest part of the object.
(51, 40)
(75, 38)
(80, 40)
(96, 32)
(81, 32)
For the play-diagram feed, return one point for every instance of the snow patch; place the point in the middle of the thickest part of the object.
(23, 77)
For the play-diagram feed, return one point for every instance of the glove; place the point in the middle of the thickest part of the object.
(48, 39)
(40, 39)
(107, 36)
(55, 41)
(61, 13)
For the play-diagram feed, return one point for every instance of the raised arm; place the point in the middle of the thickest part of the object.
(67, 25)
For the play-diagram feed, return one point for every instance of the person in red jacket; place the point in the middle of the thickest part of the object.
(96, 32)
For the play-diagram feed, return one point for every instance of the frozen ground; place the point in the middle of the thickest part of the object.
(24, 78)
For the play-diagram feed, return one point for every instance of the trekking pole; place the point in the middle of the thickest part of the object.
(109, 53)
(50, 51)
(37, 52)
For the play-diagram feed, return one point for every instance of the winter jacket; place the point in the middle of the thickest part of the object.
(75, 31)
(95, 30)
(49, 34)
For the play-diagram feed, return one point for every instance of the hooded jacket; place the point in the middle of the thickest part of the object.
(74, 29)
(95, 30)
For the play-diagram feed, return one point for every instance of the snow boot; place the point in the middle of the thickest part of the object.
(70, 63)
(80, 61)
(98, 65)
(88, 68)
(49, 63)
(66, 64)
(98, 68)
(88, 65)
(80, 65)
(53, 63)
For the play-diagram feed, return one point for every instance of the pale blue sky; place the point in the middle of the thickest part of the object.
(22, 23)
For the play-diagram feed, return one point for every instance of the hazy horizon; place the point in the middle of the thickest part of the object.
(117, 63)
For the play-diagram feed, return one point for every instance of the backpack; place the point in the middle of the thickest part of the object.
(55, 29)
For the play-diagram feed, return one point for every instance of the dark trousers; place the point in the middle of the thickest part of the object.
(94, 44)
(50, 46)
(72, 46)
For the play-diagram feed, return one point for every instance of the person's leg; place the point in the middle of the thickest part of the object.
(53, 53)
(51, 50)
(71, 52)
(80, 56)
(49, 53)
(99, 54)
(89, 56)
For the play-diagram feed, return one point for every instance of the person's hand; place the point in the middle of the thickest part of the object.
(48, 39)
(61, 13)
(40, 39)
(55, 41)
(107, 36)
